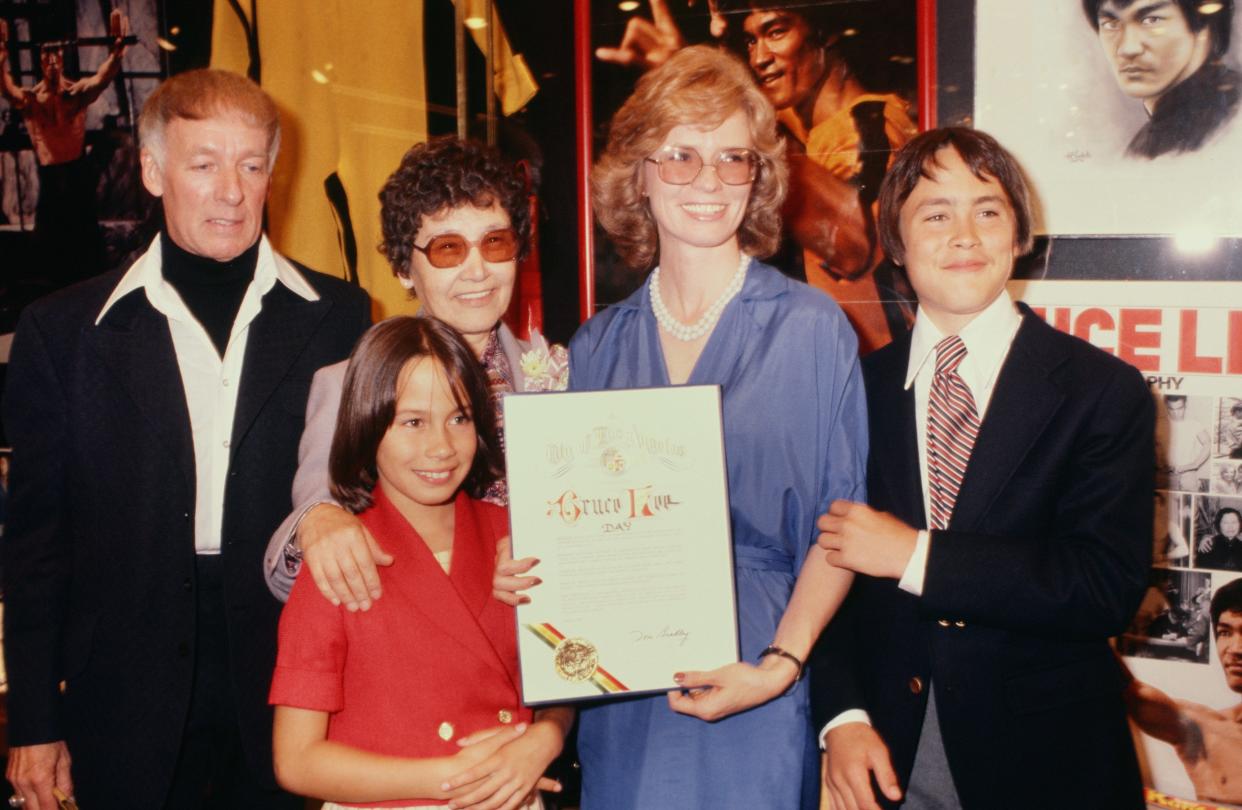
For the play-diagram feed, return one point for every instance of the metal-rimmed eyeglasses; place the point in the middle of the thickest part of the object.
(451, 249)
(680, 165)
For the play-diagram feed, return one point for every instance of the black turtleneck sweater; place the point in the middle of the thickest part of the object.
(212, 290)
(1189, 114)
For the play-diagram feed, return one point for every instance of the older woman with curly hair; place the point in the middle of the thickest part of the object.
(692, 181)
(455, 220)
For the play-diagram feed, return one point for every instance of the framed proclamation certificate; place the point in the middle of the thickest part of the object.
(622, 495)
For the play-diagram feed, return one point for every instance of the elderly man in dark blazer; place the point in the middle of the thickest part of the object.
(154, 416)
(1009, 529)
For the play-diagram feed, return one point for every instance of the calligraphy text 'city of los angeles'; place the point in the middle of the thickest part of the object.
(601, 437)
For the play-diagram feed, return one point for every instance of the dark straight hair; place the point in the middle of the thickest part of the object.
(1220, 514)
(986, 159)
(369, 403)
(1228, 597)
(1219, 21)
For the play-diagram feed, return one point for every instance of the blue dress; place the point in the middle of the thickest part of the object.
(795, 435)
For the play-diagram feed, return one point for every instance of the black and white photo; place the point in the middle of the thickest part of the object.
(1172, 620)
(1183, 442)
(1171, 532)
(1218, 533)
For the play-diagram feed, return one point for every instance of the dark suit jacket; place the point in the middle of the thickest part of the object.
(1045, 558)
(99, 548)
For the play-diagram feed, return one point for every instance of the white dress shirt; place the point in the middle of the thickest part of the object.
(210, 381)
(988, 338)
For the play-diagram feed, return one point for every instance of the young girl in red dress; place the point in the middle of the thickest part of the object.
(413, 703)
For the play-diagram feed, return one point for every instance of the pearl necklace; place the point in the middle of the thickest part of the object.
(696, 330)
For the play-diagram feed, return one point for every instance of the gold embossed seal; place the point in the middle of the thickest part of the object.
(613, 461)
(575, 659)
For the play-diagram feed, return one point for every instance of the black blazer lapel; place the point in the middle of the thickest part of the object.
(278, 336)
(135, 345)
(1023, 402)
(894, 457)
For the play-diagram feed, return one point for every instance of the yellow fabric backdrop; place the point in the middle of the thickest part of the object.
(351, 90)
(513, 81)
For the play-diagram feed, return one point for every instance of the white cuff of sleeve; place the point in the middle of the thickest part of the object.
(847, 716)
(916, 570)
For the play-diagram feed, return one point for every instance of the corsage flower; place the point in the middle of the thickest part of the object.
(546, 366)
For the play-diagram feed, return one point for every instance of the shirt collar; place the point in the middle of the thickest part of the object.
(145, 275)
(987, 340)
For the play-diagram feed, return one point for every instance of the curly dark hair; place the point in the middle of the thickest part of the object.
(1220, 514)
(442, 173)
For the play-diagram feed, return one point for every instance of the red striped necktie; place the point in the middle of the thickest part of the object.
(952, 427)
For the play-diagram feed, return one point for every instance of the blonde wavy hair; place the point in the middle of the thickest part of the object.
(700, 86)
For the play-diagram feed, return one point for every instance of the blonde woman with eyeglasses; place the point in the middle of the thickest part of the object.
(690, 188)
